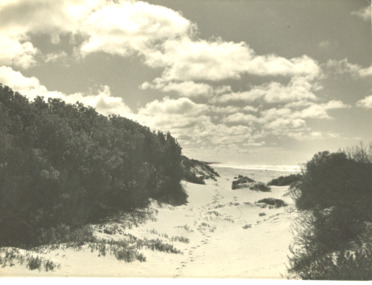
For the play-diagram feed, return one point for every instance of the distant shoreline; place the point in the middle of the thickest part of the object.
(281, 168)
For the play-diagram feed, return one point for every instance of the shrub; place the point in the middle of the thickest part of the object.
(285, 180)
(259, 186)
(67, 164)
(332, 232)
(277, 203)
(34, 263)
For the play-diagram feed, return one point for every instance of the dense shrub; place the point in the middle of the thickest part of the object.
(196, 171)
(66, 164)
(260, 186)
(334, 197)
(277, 203)
(241, 180)
(284, 180)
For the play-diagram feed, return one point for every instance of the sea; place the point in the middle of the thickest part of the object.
(263, 173)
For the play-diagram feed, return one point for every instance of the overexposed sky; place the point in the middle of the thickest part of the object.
(238, 81)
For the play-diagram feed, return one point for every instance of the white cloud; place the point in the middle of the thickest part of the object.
(320, 111)
(240, 119)
(365, 103)
(128, 27)
(344, 66)
(162, 36)
(218, 60)
(15, 52)
(19, 19)
(99, 99)
(51, 57)
(185, 88)
(296, 90)
(363, 13)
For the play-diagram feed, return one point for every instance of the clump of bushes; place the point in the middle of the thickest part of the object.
(276, 203)
(285, 180)
(240, 181)
(260, 186)
(67, 164)
(333, 231)
(196, 171)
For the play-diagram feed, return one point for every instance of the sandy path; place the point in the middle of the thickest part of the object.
(227, 238)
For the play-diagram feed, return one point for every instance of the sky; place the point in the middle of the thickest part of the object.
(244, 82)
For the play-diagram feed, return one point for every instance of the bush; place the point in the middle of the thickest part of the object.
(259, 186)
(285, 180)
(66, 164)
(277, 203)
(333, 197)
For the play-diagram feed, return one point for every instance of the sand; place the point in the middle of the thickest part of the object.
(229, 236)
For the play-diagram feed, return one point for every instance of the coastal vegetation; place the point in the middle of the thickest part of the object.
(285, 180)
(333, 233)
(66, 165)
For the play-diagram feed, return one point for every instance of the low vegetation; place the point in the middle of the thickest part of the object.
(276, 203)
(196, 171)
(241, 181)
(285, 180)
(333, 234)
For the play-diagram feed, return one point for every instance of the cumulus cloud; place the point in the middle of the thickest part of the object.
(363, 13)
(344, 66)
(16, 52)
(127, 27)
(19, 19)
(185, 88)
(365, 103)
(100, 99)
(161, 36)
(217, 60)
(297, 89)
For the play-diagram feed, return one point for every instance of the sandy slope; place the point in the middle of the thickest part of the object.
(227, 237)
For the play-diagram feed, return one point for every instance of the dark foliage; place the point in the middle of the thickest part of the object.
(66, 164)
(277, 203)
(334, 197)
(260, 186)
(241, 180)
(196, 171)
(285, 180)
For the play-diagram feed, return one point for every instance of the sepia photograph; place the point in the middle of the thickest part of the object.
(177, 139)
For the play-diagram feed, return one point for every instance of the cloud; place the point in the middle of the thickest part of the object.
(297, 89)
(365, 103)
(363, 13)
(18, 53)
(127, 27)
(51, 57)
(100, 99)
(344, 66)
(185, 88)
(161, 36)
(240, 119)
(217, 60)
(20, 19)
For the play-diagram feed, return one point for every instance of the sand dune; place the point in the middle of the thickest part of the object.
(220, 232)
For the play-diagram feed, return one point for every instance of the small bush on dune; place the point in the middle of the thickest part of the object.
(277, 203)
(285, 180)
(260, 186)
